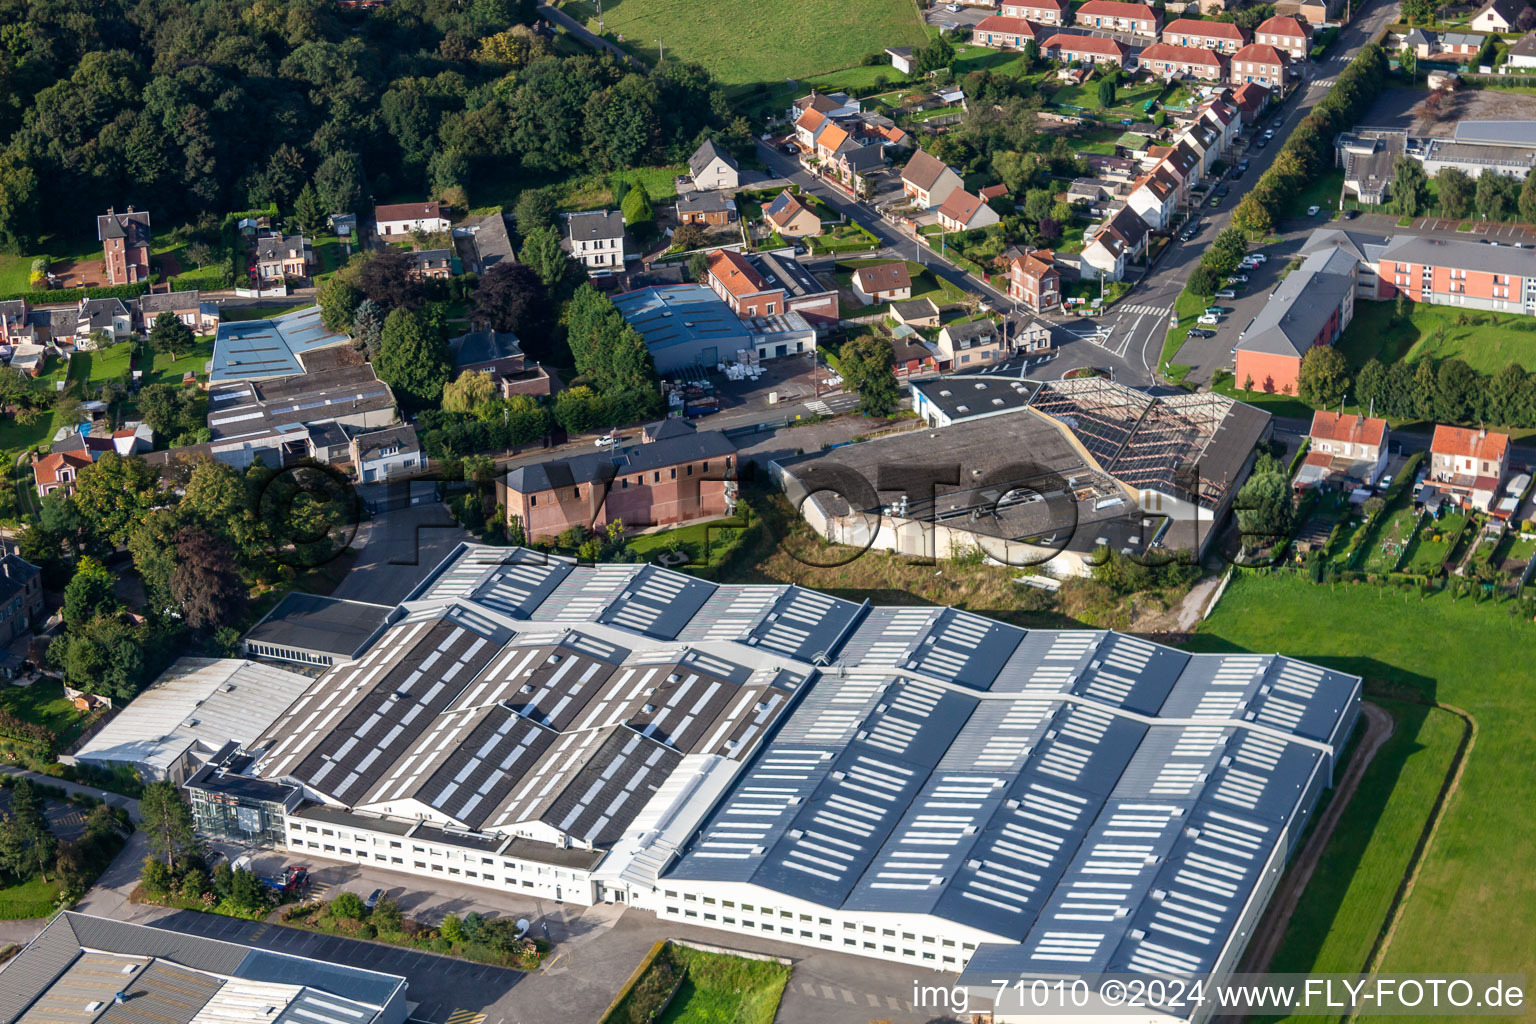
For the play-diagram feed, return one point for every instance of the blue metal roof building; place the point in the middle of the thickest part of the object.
(684, 325)
(256, 349)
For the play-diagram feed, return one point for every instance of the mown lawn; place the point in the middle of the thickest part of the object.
(170, 371)
(925, 284)
(42, 703)
(102, 365)
(29, 899)
(1435, 332)
(721, 989)
(1472, 908)
(749, 41)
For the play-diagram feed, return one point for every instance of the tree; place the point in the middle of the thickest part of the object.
(205, 583)
(511, 297)
(90, 593)
(698, 268)
(1457, 392)
(866, 366)
(28, 818)
(413, 358)
(368, 327)
(115, 492)
(386, 278)
(340, 183)
(1106, 92)
(166, 821)
(543, 252)
(1324, 376)
(1455, 188)
(639, 216)
(1252, 217)
(936, 55)
(1496, 196)
(452, 928)
(339, 298)
(306, 211)
(348, 905)
(1264, 509)
(469, 392)
(1204, 281)
(1527, 200)
(535, 209)
(386, 916)
(1410, 186)
(170, 335)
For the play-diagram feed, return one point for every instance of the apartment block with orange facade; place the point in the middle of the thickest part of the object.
(1450, 273)
(676, 475)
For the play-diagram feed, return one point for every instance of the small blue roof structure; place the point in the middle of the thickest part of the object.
(256, 349)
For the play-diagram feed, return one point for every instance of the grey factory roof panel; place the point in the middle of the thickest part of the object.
(512, 581)
(373, 988)
(1509, 133)
(963, 395)
(804, 625)
(657, 602)
(325, 624)
(1131, 673)
(253, 349)
(162, 993)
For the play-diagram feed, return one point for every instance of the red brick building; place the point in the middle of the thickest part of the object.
(1221, 36)
(747, 292)
(1034, 280)
(124, 241)
(675, 475)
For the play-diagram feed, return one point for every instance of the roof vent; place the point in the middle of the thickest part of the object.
(93, 1006)
(525, 688)
(839, 775)
(795, 833)
(1138, 934)
(1012, 805)
(674, 678)
(130, 968)
(648, 708)
(229, 687)
(1159, 894)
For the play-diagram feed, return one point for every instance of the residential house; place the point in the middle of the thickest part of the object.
(186, 306)
(901, 58)
(124, 239)
(110, 317)
(916, 312)
(485, 243)
(409, 218)
(133, 438)
(1118, 16)
(432, 264)
(500, 354)
(21, 598)
(1041, 12)
(738, 283)
(836, 105)
(387, 454)
(971, 344)
(1034, 281)
(884, 282)
(1205, 142)
(1262, 63)
(1311, 307)
(1088, 49)
(791, 217)
(1220, 36)
(928, 181)
(58, 471)
(1498, 16)
(1522, 52)
(1119, 241)
(1347, 451)
(596, 239)
(713, 168)
(1369, 160)
(1469, 464)
(1421, 42)
(852, 162)
(28, 358)
(711, 209)
(1155, 197)
(1251, 99)
(965, 212)
(683, 476)
(807, 125)
(1291, 36)
(1461, 45)
(283, 258)
(1003, 32)
(1169, 61)
(1454, 273)
(1222, 114)
(1026, 336)
(15, 325)
(803, 294)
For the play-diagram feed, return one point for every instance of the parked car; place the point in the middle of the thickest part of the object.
(1237, 279)
(1226, 293)
(1278, 122)
(1201, 332)
(1210, 319)
(1216, 311)
(1215, 201)
(1257, 257)
(1222, 190)
(1351, 214)
(1269, 133)
(373, 898)
(1313, 211)
(1262, 142)
(606, 441)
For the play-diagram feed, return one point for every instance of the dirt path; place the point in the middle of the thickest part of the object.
(1271, 930)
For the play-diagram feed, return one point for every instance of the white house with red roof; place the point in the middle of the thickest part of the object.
(1003, 33)
(1290, 36)
(882, 282)
(1221, 36)
(1041, 12)
(1468, 464)
(1169, 61)
(1261, 63)
(1119, 16)
(963, 211)
(1088, 49)
(927, 180)
(1155, 197)
(1349, 451)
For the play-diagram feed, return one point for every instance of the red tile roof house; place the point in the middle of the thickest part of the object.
(1169, 61)
(1258, 62)
(1088, 49)
(1348, 451)
(1041, 12)
(746, 291)
(965, 212)
(927, 180)
(1003, 33)
(1291, 36)
(1469, 464)
(887, 282)
(404, 218)
(59, 470)
(1221, 36)
(1034, 280)
(1121, 17)
(1250, 99)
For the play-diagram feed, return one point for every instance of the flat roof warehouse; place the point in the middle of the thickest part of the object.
(784, 753)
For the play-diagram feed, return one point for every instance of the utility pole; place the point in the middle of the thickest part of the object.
(661, 53)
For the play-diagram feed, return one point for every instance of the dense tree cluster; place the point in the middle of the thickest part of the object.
(616, 377)
(1308, 151)
(865, 362)
(191, 110)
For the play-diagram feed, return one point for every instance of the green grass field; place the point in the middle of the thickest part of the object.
(925, 284)
(723, 989)
(29, 899)
(102, 365)
(1432, 332)
(749, 41)
(1470, 909)
(43, 704)
(171, 371)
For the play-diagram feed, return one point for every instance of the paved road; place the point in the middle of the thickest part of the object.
(114, 799)
(1162, 286)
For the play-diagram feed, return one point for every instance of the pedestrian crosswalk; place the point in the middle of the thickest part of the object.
(1327, 82)
(1143, 309)
(819, 407)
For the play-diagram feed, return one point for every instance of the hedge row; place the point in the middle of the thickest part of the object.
(60, 295)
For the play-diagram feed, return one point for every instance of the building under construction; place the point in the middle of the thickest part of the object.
(1035, 473)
